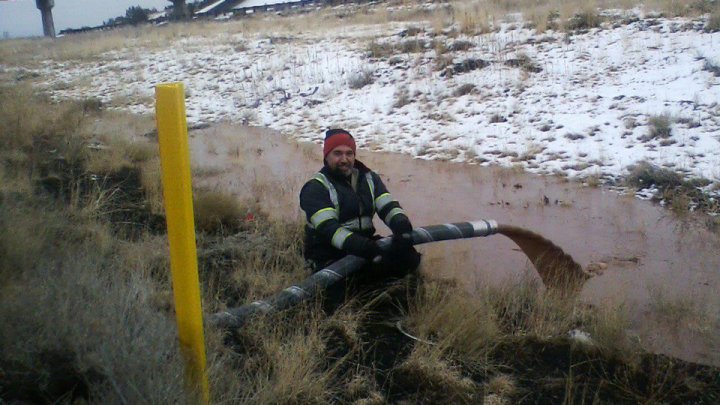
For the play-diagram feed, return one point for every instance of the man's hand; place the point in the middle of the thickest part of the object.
(401, 242)
(371, 251)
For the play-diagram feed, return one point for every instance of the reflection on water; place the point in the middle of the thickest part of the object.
(651, 261)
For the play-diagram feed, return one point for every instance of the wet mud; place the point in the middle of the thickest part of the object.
(664, 271)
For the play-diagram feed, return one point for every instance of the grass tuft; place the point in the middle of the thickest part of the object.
(583, 20)
(660, 126)
(380, 50)
(713, 21)
(645, 174)
(431, 379)
(361, 79)
(672, 187)
(215, 211)
(402, 97)
(464, 89)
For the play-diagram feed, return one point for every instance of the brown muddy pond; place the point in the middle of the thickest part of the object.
(663, 270)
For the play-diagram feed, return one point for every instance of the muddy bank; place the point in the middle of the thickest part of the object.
(664, 270)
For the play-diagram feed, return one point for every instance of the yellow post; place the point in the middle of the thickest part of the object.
(177, 193)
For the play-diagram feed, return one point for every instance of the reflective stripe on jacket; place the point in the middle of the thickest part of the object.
(335, 211)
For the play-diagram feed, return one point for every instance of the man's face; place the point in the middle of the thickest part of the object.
(341, 160)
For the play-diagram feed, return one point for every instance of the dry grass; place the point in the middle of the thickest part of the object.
(659, 126)
(87, 314)
(215, 210)
(116, 151)
(360, 79)
(502, 385)
(75, 308)
(78, 300)
(473, 325)
(470, 18)
(401, 97)
(680, 194)
(151, 183)
(51, 121)
(286, 362)
(594, 180)
(449, 317)
(433, 378)
(713, 23)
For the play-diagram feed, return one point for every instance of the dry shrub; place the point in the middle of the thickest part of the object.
(42, 142)
(523, 310)
(17, 105)
(712, 67)
(412, 30)
(431, 378)
(659, 126)
(254, 263)
(672, 187)
(78, 321)
(472, 325)
(543, 19)
(115, 151)
(402, 97)
(713, 22)
(471, 17)
(608, 325)
(443, 63)
(412, 46)
(31, 238)
(644, 175)
(464, 89)
(377, 49)
(151, 183)
(525, 63)
(30, 121)
(281, 359)
(583, 20)
(503, 385)
(594, 180)
(461, 45)
(440, 20)
(457, 321)
(360, 79)
(216, 211)
(293, 369)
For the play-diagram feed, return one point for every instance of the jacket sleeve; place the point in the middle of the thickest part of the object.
(321, 214)
(389, 209)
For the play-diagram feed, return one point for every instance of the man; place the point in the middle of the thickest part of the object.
(340, 202)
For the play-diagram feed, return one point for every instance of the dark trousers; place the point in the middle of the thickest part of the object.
(396, 268)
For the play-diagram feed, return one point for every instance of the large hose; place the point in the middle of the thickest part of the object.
(236, 317)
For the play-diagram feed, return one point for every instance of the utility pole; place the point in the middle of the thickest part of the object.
(45, 7)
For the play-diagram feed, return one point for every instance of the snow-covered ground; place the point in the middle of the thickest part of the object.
(579, 104)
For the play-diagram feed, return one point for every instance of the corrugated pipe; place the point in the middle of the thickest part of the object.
(311, 286)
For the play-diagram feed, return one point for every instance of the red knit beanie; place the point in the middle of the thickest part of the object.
(335, 138)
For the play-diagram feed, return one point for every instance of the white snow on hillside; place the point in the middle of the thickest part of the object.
(584, 112)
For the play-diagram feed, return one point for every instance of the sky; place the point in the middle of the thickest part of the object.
(21, 18)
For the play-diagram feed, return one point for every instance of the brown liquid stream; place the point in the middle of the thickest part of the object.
(557, 269)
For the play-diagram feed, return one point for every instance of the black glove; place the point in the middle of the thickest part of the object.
(400, 225)
(401, 242)
(371, 251)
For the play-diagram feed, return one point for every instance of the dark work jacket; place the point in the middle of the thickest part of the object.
(326, 238)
